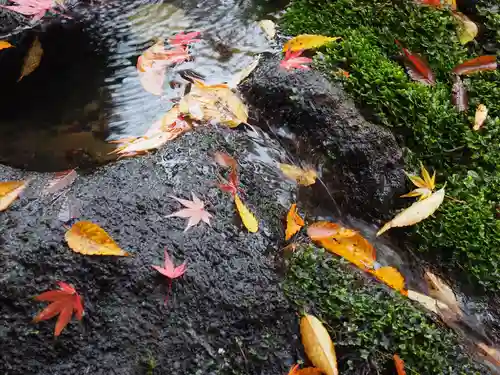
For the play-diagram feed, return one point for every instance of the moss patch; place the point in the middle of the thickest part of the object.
(465, 230)
(369, 323)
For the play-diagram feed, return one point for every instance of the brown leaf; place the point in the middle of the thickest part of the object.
(459, 96)
(32, 59)
(478, 64)
(9, 192)
(293, 222)
(439, 290)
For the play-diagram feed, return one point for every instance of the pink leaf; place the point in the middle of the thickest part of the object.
(182, 39)
(195, 211)
(294, 60)
(169, 270)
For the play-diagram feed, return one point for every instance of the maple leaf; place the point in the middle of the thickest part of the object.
(232, 185)
(183, 39)
(425, 184)
(294, 60)
(170, 271)
(64, 301)
(195, 211)
(36, 8)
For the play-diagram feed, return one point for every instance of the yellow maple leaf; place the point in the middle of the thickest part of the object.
(425, 184)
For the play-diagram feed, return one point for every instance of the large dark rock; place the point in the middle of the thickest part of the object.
(227, 315)
(363, 164)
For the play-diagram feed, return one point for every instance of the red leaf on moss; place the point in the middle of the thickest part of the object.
(478, 64)
(417, 67)
(459, 96)
(400, 365)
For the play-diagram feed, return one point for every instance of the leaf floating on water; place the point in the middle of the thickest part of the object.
(318, 345)
(478, 64)
(459, 96)
(467, 29)
(61, 181)
(244, 73)
(418, 69)
(322, 230)
(293, 222)
(417, 212)
(32, 59)
(390, 276)
(308, 41)
(9, 192)
(4, 44)
(400, 365)
(303, 177)
(480, 117)
(183, 39)
(88, 238)
(248, 219)
(269, 27)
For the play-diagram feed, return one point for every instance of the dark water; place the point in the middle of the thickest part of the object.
(86, 90)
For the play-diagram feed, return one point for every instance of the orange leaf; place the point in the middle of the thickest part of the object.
(309, 371)
(390, 276)
(478, 64)
(321, 230)
(9, 191)
(400, 365)
(293, 222)
(4, 44)
(88, 238)
(356, 249)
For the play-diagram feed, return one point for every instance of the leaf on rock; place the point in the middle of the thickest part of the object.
(169, 270)
(183, 39)
(390, 276)
(478, 64)
(64, 301)
(244, 73)
(194, 211)
(61, 181)
(225, 160)
(293, 222)
(480, 117)
(140, 145)
(4, 44)
(269, 27)
(295, 60)
(295, 370)
(88, 238)
(70, 209)
(308, 41)
(417, 212)
(248, 219)
(303, 177)
(492, 355)
(32, 59)
(467, 29)
(399, 364)
(9, 192)
(439, 290)
(418, 69)
(433, 305)
(425, 184)
(459, 96)
(318, 345)
(322, 230)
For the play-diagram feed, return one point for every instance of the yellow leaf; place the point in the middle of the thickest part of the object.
(425, 184)
(293, 222)
(417, 212)
(32, 59)
(269, 28)
(480, 117)
(4, 44)
(307, 41)
(248, 219)
(322, 230)
(9, 192)
(467, 29)
(390, 276)
(439, 290)
(88, 238)
(318, 345)
(303, 177)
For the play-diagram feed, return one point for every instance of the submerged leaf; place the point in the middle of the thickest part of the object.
(32, 59)
(418, 69)
(459, 96)
(417, 212)
(9, 192)
(307, 41)
(244, 73)
(248, 219)
(480, 117)
(303, 177)
(88, 238)
(318, 345)
(293, 222)
(478, 64)
(467, 30)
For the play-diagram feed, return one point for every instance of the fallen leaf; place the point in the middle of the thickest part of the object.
(64, 301)
(9, 192)
(36, 8)
(269, 27)
(439, 290)
(318, 344)
(295, 370)
(303, 177)
(70, 209)
(248, 219)
(4, 44)
(232, 185)
(480, 117)
(467, 30)
(418, 69)
(307, 41)
(183, 39)
(437, 307)
(170, 120)
(492, 354)
(438, 3)
(400, 365)
(88, 238)
(61, 181)
(141, 145)
(321, 230)
(478, 64)
(390, 276)
(295, 60)
(293, 222)
(417, 212)
(194, 211)
(459, 96)
(32, 59)
(244, 73)
(425, 184)
(170, 271)
(225, 160)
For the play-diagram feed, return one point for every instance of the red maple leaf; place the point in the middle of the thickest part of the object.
(170, 271)
(64, 301)
(294, 60)
(183, 39)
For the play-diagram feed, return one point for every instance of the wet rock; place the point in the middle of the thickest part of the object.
(227, 315)
(363, 162)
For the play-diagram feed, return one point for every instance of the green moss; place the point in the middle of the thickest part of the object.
(369, 323)
(433, 130)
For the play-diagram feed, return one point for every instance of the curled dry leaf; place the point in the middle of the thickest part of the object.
(417, 212)
(390, 276)
(293, 222)
(322, 230)
(467, 30)
(303, 177)
(9, 192)
(88, 238)
(478, 64)
(480, 117)
(248, 219)
(439, 290)
(459, 96)
(32, 59)
(418, 69)
(399, 364)
(307, 41)
(318, 345)
(5, 44)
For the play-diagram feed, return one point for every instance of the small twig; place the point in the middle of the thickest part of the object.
(454, 199)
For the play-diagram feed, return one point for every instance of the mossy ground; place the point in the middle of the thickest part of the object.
(464, 235)
(369, 323)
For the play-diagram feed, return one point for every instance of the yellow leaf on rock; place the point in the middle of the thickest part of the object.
(88, 238)
(4, 44)
(467, 29)
(32, 59)
(322, 230)
(303, 177)
(417, 212)
(293, 222)
(390, 276)
(9, 191)
(307, 41)
(248, 219)
(318, 345)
